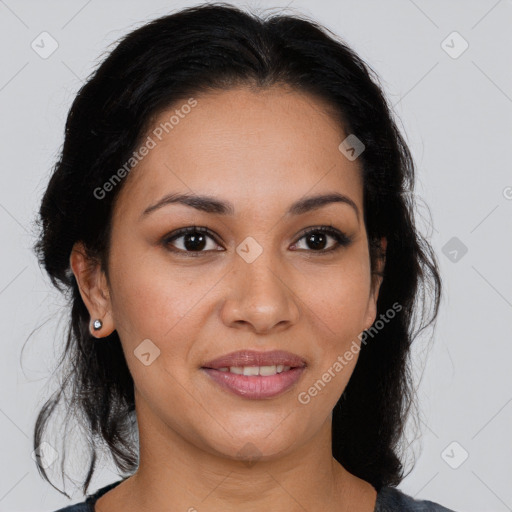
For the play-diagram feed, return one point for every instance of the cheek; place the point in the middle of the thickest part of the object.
(338, 296)
(337, 306)
(152, 301)
(147, 299)
(156, 300)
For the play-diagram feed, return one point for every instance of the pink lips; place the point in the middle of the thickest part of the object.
(256, 386)
(255, 358)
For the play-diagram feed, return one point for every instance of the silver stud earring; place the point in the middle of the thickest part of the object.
(97, 325)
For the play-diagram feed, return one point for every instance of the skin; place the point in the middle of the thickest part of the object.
(261, 150)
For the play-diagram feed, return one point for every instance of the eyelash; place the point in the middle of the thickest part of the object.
(341, 239)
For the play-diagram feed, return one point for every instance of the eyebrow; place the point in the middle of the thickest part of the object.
(210, 204)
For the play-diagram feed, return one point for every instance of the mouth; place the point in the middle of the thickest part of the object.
(252, 358)
(256, 375)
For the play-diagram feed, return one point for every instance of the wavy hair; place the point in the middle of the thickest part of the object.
(196, 50)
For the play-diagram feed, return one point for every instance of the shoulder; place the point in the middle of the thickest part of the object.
(77, 507)
(390, 499)
(88, 504)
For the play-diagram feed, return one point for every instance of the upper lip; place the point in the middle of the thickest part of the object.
(256, 358)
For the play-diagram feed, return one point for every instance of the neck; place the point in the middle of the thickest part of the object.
(176, 474)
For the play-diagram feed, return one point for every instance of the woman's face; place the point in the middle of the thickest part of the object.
(255, 281)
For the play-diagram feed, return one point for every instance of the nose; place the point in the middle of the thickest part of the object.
(260, 297)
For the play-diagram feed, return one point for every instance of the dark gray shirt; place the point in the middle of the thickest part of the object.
(389, 499)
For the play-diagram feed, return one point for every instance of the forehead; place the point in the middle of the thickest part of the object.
(266, 145)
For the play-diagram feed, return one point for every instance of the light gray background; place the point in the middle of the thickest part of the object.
(457, 116)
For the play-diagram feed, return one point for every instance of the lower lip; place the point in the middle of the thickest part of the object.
(256, 386)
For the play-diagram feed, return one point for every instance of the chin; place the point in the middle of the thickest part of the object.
(250, 447)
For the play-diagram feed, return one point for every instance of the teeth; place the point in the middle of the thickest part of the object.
(256, 370)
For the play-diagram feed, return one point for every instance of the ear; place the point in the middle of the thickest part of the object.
(376, 282)
(94, 290)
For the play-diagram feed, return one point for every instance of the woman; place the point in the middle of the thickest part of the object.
(231, 215)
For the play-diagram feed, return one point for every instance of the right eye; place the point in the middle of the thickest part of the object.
(194, 239)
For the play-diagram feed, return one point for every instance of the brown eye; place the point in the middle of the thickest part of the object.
(317, 239)
(191, 239)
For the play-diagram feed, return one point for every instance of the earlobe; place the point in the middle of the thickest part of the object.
(93, 290)
(101, 327)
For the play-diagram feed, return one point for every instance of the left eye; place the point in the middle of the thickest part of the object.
(317, 237)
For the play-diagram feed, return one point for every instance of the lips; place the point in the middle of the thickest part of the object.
(256, 358)
(255, 387)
